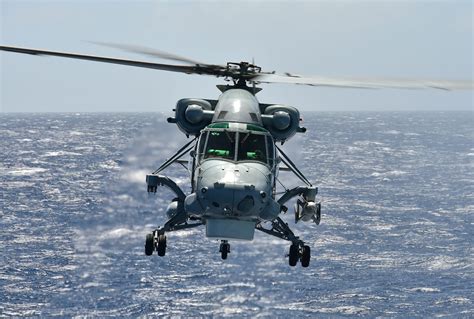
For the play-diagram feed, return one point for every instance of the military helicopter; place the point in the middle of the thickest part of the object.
(234, 154)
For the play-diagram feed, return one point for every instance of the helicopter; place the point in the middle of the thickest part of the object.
(233, 153)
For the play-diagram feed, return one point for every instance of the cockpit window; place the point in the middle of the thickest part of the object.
(271, 150)
(220, 144)
(252, 147)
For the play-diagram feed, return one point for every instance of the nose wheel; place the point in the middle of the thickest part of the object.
(224, 249)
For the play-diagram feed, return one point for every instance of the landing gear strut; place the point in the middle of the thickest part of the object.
(179, 220)
(157, 239)
(224, 249)
(298, 250)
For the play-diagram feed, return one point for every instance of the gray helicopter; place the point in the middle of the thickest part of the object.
(234, 153)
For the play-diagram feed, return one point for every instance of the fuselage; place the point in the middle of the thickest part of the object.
(235, 169)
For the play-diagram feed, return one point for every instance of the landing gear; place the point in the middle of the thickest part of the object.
(157, 239)
(293, 256)
(149, 244)
(178, 217)
(224, 249)
(161, 245)
(298, 250)
(305, 256)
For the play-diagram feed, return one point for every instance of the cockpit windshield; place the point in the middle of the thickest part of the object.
(220, 144)
(252, 147)
(241, 146)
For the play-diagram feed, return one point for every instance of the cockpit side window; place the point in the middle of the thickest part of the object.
(202, 143)
(220, 144)
(252, 147)
(271, 150)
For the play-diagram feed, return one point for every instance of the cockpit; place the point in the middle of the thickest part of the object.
(242, 144)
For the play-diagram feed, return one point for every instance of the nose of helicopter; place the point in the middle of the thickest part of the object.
(239, 190)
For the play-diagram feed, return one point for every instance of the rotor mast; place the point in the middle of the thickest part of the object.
(240, 73)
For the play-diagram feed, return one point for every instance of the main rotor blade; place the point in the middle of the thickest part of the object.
(149, 52)
(375, 83)
(157, 66)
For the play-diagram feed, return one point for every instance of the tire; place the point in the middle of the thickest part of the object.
(161, 245)
(306, 256)
(224, 254)
(149, 244)
(224, 249)
(293, 255)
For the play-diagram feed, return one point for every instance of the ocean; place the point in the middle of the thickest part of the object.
(395, 239)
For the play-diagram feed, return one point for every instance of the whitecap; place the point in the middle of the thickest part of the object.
(424, 289)
(135, 176)
(346, 310)
(117, 233)
(17, 184)
(441, 263)
(110, 164)
(368, 143)
(61, 153)
(22, 171)
(392, 132)
(76, 133)
(389, 173)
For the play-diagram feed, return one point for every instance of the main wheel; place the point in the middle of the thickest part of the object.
(293, 255)
(149, 244)
(305, 256)
(224, 249)
(224, 254)
(161, 245)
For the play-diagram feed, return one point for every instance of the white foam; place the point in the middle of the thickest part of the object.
(8, 133)
(135, 176)
(110, 164)
(17, 184)
(76, 133)
(389, 173)
(84, 148)
(22, 171)
(392, 132)
(61, 153)
(118, 233)
(367, 143)
(345, 310)
(424, 289)
(441, 263)
(380, 227)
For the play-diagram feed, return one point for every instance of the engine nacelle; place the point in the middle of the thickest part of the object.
(281, 121)
(192, 115)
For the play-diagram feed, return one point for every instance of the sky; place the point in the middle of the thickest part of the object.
(400, 39)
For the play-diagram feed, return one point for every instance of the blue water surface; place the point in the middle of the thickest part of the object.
(395, 239)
